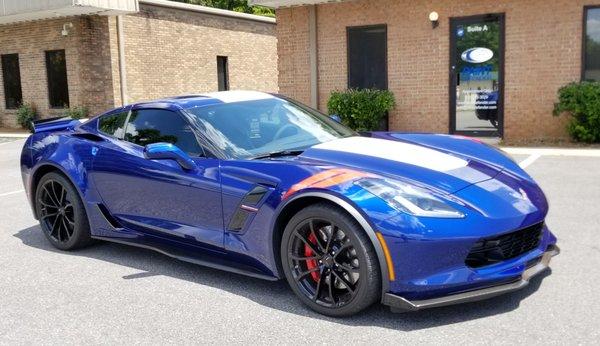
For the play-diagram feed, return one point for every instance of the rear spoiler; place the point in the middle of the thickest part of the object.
(54, 124)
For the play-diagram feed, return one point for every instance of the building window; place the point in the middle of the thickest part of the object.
(591, 49)
(367, 57)
(56, 69)
(11, 75)
(223, 73)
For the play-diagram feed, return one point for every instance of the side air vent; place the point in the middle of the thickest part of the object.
(247, 206)
(88, 136)
(109, 218)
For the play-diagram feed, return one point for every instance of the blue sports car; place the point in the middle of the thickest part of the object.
(261, 185)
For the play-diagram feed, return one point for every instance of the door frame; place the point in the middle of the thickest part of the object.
(454, 22)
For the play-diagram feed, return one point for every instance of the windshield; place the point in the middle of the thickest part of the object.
(243, 130)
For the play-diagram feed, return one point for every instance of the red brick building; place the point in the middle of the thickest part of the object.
(478, 67)
(99, 54)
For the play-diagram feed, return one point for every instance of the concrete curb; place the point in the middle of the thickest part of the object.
(553, 151)
(14, 135)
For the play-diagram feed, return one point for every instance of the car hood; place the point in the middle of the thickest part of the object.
(442, 170)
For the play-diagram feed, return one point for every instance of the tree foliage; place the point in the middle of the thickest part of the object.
(233, 5)
(361, 109)
(582, 102)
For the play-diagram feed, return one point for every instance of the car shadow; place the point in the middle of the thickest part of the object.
(277, 295)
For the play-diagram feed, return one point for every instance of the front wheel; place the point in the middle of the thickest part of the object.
(329, 261)
(61, 213)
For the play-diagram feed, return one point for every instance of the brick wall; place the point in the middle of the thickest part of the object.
(168, 52)
(171, 52)
(543, 52)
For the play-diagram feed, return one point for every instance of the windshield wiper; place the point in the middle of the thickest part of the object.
(281, 153)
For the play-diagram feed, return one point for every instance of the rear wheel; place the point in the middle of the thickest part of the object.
(61, 213)
(329, 261)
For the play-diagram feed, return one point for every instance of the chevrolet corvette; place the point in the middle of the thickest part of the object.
(261, 185)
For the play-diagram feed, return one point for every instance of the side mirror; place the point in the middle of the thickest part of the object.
(336, 118)
(168, 151)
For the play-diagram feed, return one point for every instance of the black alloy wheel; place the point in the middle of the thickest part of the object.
(329, 262)
(61, 213)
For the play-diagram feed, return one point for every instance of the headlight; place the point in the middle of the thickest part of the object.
(408, 199)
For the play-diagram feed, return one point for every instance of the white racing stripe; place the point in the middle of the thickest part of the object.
(11, 193)
(528, 161)
(396, 151)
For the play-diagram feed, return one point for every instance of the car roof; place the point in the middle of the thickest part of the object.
(201, 100)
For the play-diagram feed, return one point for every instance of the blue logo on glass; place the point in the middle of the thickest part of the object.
(460, 31)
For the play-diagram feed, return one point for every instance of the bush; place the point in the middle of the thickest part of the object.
(363, 109)
(77, 112)
(26, 115)
(582, 102)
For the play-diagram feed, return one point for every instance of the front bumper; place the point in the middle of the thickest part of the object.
(400, 304)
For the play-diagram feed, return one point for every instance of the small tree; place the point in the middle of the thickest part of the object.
(361, 109)
(26, 114)
(582, 102)
(77, 112)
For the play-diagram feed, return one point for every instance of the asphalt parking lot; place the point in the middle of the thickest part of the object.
(116, 294)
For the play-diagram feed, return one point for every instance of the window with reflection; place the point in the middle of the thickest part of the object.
(11, 76)
(247, 129)
(591, 69)
(147, 126)
(56, 71)
(112, 124)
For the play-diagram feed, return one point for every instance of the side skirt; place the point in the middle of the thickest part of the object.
(209, 261)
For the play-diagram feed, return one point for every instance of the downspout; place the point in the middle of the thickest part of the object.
(122, 70)
(312, 48)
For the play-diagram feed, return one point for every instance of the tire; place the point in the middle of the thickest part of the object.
(61, 213)
(329, 262)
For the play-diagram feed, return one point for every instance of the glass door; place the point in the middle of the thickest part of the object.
(477, 75)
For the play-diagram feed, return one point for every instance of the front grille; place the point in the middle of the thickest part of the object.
(491, 250)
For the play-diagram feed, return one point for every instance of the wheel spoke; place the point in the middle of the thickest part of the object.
(330, 239)
(304, 258)
(344, 281)
(55, 196)
(347, 268)
(342, 249)
(319, 285)
(56, 226)
(302, 275)
(331, 279)
(68, 220)
(48, 215)
(63, 194)
(314, 233)
(44, 204)
(305, 241)
(69, 234)
(56, 204)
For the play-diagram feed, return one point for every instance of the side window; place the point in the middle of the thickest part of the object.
(112, 124)
(149, 126)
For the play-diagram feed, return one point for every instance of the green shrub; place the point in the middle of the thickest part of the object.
(582, 102)
(26, 115)
(77, 112)
(361, 109)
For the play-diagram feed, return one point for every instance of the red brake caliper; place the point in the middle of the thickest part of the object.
(311, 264)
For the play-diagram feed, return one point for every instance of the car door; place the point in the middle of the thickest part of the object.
(158, 197)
